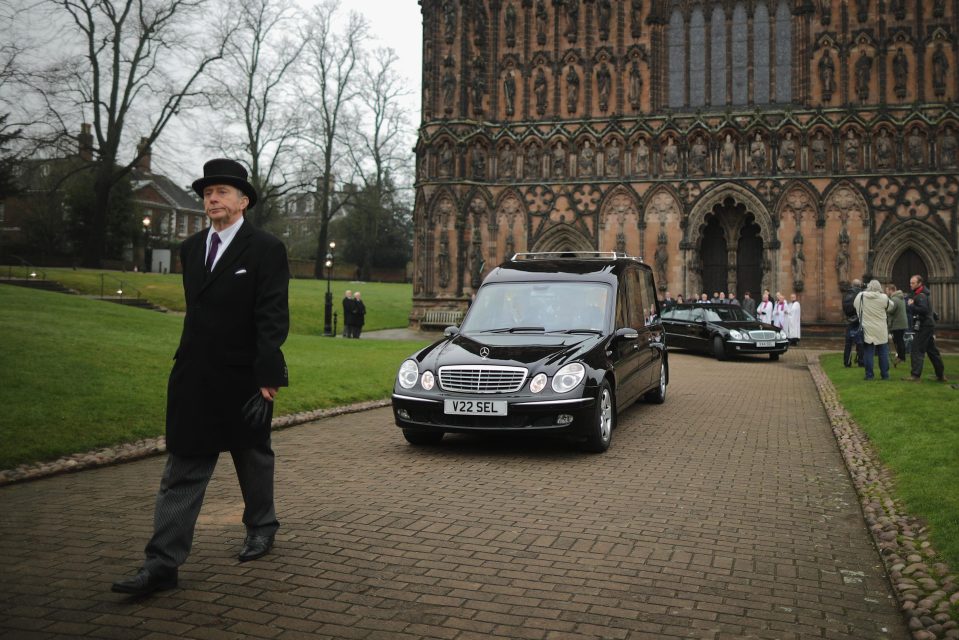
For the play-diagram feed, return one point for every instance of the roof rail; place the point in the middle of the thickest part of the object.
(551, 255)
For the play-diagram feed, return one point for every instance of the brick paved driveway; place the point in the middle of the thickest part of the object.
(724, 513)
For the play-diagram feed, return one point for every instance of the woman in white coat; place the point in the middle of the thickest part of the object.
(793, 314)
(764, 312)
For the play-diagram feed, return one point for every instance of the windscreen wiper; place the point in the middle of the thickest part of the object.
(514, 329)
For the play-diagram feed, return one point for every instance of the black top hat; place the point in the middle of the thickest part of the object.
(224, 171)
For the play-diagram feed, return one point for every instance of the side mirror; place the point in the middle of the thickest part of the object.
(626, 333)
(451, 331)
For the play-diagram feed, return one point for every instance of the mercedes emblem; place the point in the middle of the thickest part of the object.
(484, 352)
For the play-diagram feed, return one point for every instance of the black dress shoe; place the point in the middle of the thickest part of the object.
(146, 582)
(255, 547)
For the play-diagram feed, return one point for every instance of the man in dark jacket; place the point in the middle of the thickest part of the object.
(924, 324)
(348, 314)
(359, 315)
(236, 283)
(853, 334)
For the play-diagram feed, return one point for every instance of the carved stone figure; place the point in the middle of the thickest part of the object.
(477, 263)
(586, 160)
(612, 159)
(843, 258)
(509, 91)
(915, 150)
(605, 10)
(572, 89)
(479, 162)
(539, 90)
(898, 8)
(661, 258)
(446, 160)
(863, 74)
(799, 267)
(900, 73)
(641, 164)
(480, 25)
(698, 154)
(559, 161)
(635, 86)
(820, 152)
(449, 20)
(449, 89)
(541, 21)
(787, 153)
(636, 17)
(506, 162)
(827, 75)
(509, 22)
(850, 152)
(825, 11)
(940, 68)
(603, 84)
(534, 163)
(938, 8)
(757, 154)
(572, 19)
(947, 149)
(727, 155)
(478, 83)
(444, 261)
(883, 150)
(670, 157)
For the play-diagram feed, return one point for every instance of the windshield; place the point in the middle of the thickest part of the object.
(539, 306)
(726, 313)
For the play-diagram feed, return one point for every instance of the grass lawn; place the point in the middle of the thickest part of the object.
(77, 374)
(915, 428)
(387, 304)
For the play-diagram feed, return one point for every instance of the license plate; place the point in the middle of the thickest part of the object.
(475, 407)
(765, 343)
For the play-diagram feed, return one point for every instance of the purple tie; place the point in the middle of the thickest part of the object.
(210, 257)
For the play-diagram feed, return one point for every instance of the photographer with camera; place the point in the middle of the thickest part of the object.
(853, 328)
(924, 324)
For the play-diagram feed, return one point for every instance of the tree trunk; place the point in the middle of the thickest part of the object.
(96, 231)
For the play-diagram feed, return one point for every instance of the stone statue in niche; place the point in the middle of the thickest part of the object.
(863, 75)
(670, 157)
(506, 162)
(820, 152)
(798, 262)
(938, 8)
(541, 22)
(843, 259)
(612, 159)
(915, 150)
(850, 152)
(444, 261)
(539, 90)
(698, 155)
(727, 155)
(825, 11)
(898, 8)
(449, 89)
(559, 161)
(477, 262)
(572, 89)
(479, 162)
(534, 163)
(827, 75)
(900, 73)
(605, 11)
(636, 18)
(757, 154)
(478, 83)
(509, 22)
(509, 92)
(446, 160)
(635, 86)
(603, 85)
(641, 163)
(510, 249)
(862, 10)
(940, 69)
(787, 153)
(884, 152)
(480, 25)
(661, 257)
(586, 160)
(449, 20)
(621, 241)
(572, 19)
(947, 149)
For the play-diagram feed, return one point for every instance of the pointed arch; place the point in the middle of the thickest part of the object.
(922, 238)
(739, 195)
(562, 237)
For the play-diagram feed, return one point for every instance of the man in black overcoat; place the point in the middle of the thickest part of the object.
(236, 282)
(348, 314)
(359, 315)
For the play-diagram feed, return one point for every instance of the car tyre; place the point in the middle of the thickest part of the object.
(604, 421)
(658, 395)
(774, 357)
(418, 437)
(719, 348)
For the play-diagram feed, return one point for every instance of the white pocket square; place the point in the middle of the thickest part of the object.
(240, 272)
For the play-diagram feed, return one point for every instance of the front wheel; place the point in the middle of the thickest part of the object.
(658, 395)
(604, 419)
(719, 349)
(418, 437)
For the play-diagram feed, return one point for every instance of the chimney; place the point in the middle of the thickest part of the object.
(144, 152)
(85, 142)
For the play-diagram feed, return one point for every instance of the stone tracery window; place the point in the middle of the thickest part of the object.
(784, 39)
(761, 54)
(676, 40)
(697, 58)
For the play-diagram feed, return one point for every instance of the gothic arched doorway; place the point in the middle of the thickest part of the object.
(908, 264)
(714, 256)
(749, 260)
(562, 237)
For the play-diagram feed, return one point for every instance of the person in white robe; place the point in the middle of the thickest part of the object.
(764, 312)
(779, 311)
(793, 316)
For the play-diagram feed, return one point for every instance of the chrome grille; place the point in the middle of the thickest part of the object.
(482, 378)
(762, 335)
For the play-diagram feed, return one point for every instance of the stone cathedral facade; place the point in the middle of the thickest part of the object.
(735, 145)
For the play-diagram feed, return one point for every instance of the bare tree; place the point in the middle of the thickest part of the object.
(138, 66)
(258, 114)
(331, 59)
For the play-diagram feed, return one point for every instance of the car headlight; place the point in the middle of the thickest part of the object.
(538, 383)
(408, 374)
(735, 335)
(781, 335)
(568, 377)
(427, 380)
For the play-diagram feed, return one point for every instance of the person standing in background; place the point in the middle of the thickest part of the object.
(359, 315)
(793, 319)
(348, 314)
(749, 304)
(872, 307)
(924, 324)
(764, 312)
(898, 322)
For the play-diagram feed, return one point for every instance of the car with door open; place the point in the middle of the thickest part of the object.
(554, 343)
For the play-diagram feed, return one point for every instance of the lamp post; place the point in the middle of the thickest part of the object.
(328, 306)
(146, 243)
